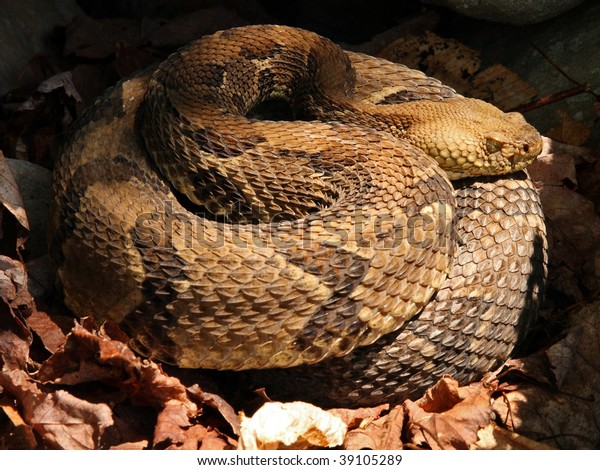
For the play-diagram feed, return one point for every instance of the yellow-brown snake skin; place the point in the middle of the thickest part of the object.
(325, 244)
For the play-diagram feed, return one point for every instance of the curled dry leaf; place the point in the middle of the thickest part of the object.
(13, 285)
(502, 87)
(449, 416)
(62, 80)
(534, 367)
(218, 403)
(383, 433)
(565, 415)
(88, 356)
(15, 303)
(12, 202)
(294, 425)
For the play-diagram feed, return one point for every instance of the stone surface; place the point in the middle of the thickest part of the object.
(509, 11)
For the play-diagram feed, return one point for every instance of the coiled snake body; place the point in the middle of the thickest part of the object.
(328, 247)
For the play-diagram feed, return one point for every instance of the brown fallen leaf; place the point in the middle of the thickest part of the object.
(565, 413)
(359, 417)
(383, 433)
(535, 367)
(570, 130)
(449, 416)
(497, 438)
(218, 403)
(15, 304)
(63, 80)
(213, 439)
(62, 420)
(13, 285)
(446, 59)
(502, 87)
(91, 355)
(22, 434)
(571, 219)
(12, 202)
(174, 430)
(46, 328)
(36, 121)
(459, 66)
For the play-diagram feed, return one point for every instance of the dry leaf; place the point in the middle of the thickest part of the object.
(449, 417)
(62, 80)
(569, 130)
(294, 425)
(497, 438)
(459, 66)
(565, 415)
(15, 301)
(62, 420)
(359, 417)
(12, 202)
(445, 59)
(502, 87)
(88, 355)
(13, 284)
(380, 434)
(218, 403)
(172, 428)
(571, 219)
(45, 327)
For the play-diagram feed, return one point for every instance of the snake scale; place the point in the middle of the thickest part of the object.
(265, 201)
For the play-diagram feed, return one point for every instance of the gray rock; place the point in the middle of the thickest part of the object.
(509, 11)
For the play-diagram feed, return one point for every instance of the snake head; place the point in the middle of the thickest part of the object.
(469, 137)
(513, 148)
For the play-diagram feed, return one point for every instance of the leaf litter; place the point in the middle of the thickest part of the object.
(76, 385)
